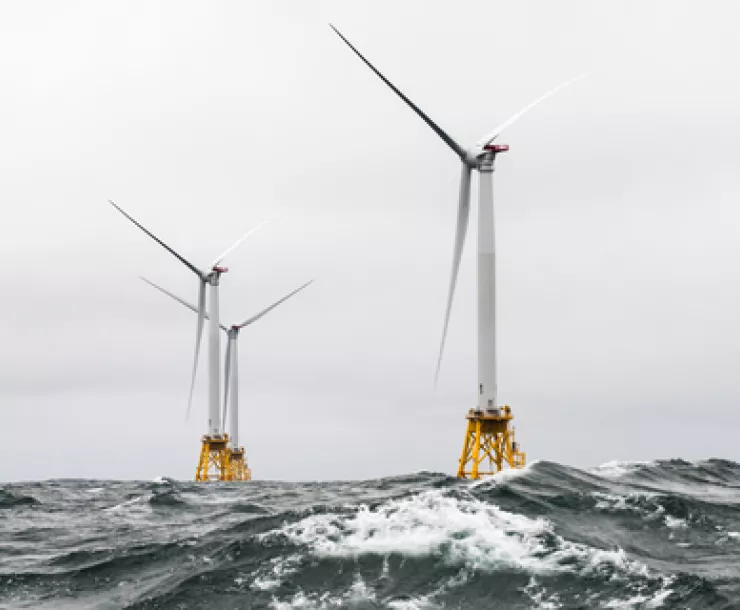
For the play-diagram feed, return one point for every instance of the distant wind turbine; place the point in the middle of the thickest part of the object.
(231, 368)
(209, 276)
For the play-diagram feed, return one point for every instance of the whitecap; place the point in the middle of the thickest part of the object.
(502, 476)
(462, 531)
(674, 522)
(299, 600)
(644, 601)
(618, 468)
(423, 602)
(278, 568)
(359, 591)
(138, 503)
(538, 595)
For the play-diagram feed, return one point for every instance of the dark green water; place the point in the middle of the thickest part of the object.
(662, 534)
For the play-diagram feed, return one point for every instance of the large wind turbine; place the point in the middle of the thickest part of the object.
(209, 276)
(231, 368)
(480, 157)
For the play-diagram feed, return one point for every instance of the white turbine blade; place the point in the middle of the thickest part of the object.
(198, 335)
(273, 306)
(172, 296)
(227, 372)
(177, 255)
(181, 301)
(436, 128)
(515, 117)
(463, 213)
(241, 239)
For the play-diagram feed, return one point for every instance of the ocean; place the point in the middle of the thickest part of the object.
(663, 534)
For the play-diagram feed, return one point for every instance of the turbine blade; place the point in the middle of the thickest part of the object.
(459, 151)
(463, 213)
(177, 255)
(273, 306)
(179, 300)
(515, 117)
(240, 240)
(172, 296)
(227, 371)
(198, 335)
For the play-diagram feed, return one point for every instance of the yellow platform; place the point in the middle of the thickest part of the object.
(218, 462)
(489, 443)
(214, 463)
(239, 471)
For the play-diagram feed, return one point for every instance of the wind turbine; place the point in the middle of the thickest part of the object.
(231, 369)
(481, 157)
(209, 276)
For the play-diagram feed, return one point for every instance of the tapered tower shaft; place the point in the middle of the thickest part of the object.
(487, 389)
(214, 348)
(234, 393)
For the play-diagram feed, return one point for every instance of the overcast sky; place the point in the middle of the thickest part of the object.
(617, 220)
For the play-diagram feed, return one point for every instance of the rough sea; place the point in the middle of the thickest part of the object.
(663, 534)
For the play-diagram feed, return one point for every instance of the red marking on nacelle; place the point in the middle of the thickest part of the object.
(221, 269)
(497, 148)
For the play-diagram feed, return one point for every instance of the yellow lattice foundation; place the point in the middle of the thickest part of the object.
(214, 463)
(489, 442)
(238, 466)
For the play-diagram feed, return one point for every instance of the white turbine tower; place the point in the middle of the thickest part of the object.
(480, 157)
(209, 276)
(231, 368)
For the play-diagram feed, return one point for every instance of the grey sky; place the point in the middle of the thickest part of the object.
(617, 220)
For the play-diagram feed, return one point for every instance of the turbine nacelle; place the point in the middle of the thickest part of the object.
(475, 155)
(496, 148)
(214, 277)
